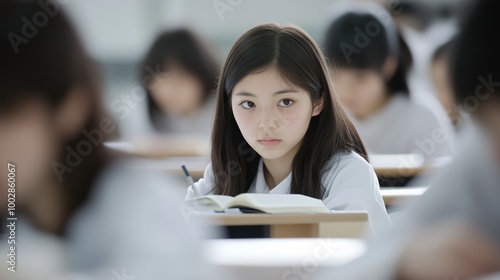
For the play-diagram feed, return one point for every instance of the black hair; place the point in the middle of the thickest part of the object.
(185, 49)
(358, 39)
(300, 61)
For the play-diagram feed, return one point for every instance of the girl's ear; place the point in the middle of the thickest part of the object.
(318, 106)
(389, 67)
(71, 115)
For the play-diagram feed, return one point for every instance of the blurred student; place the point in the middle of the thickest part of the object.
(453, 230)
(280, 128)
(81, 211)
(366, 66)
(181, 98)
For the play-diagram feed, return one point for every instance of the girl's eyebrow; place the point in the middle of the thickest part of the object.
(288, 90)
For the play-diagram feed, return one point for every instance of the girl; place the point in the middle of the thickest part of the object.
(280, 129)
(79, 209)
(369, 67)
(181, 101)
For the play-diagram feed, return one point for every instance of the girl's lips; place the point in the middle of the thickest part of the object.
(270, 142)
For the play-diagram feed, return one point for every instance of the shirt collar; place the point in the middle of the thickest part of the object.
(260, 185)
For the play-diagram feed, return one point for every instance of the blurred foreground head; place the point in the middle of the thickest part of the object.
(475, 68)
(51, 118)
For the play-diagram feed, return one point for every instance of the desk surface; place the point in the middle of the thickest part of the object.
(169, 153)
(384, 166)
(404, 165)
(392, 196)
(163, 147)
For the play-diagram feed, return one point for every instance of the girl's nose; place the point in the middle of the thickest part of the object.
(268, 119)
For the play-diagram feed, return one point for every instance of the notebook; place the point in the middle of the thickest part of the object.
(260, 203)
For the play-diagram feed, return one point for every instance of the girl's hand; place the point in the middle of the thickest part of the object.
(451, 251)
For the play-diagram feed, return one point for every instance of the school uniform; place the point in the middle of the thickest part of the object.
(198, 126)
(350, 184)
(467, 189)
(403, 127)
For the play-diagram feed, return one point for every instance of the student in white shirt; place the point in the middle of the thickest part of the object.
(369, 67)
(180, 74)
(453, 230)
(82, 213)
(279, 127)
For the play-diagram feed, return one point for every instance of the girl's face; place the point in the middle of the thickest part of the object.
(178, 92)
(272, 114)
(361, 91)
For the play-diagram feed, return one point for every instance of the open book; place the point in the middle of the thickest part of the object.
(258, 202)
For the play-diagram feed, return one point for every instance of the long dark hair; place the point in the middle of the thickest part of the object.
(299, 59)
(184, 48)
(343, 49)
(45, 68)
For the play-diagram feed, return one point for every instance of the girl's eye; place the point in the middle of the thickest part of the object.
(247, 104)
(285, 103)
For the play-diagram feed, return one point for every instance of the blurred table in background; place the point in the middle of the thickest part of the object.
(399, 169)
(162, 147)
(397, 195)
(169, 153)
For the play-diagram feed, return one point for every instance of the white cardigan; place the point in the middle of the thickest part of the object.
(350, 184)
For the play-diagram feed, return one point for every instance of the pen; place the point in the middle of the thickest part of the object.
(190, 181)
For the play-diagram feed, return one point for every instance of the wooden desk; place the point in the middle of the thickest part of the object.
(290, 258)
(162, 147)
(392, 196)
(338, 224)
(404, 165)
(195, 165)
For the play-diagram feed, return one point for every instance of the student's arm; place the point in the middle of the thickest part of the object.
(351, 184)
(204, 185)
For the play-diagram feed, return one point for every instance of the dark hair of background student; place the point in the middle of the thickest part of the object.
(182, 48)
(298, 58)
(370, 54)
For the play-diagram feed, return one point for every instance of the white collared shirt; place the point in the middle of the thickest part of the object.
(404, 127)
(350, 184)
